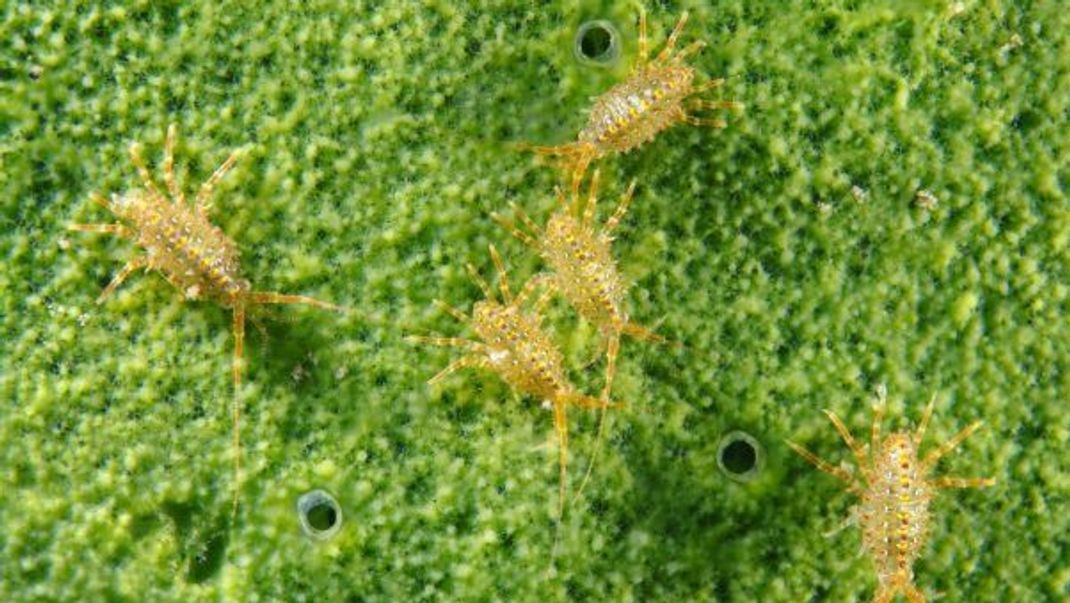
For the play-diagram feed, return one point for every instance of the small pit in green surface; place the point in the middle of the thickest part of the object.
(597, 43)
(740, 456)
(319, 514)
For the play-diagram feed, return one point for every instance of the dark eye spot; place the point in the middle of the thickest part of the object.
(740, 456)
(319, 514)
(597, 43)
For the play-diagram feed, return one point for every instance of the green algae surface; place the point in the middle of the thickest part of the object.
(788, 253)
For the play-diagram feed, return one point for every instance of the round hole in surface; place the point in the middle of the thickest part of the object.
(319, 514)
(739, 456)
(597, 43)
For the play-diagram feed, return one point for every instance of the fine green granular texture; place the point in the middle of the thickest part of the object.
(377, 143)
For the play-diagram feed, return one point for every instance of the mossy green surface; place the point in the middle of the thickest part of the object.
(376, 148)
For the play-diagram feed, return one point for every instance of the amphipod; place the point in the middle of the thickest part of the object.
(895, 488)
(194, 255)
(657, 95)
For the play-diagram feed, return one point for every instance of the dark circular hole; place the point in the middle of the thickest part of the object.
(595, 42)
(739, 457)
(319, 514)
(322, 516)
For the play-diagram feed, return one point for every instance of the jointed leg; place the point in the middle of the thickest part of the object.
(622, 209)
(236, 370)
(823, 465)
(139, 163)
(708, 85)
(701, 103)
(118, 230)
(875, 430)
(671, 42)
(961, 482)
(856, 448)
(539, 280)
(644, 334)
(611, 368)
(449, 342)
(514, 230)
(128, 269)
(503, 278)
(169, 166)
(478, 280)
(689, 50)
(592, 200)
(924, 424)
(644, 48)
(471, 361)
(702, 121)
(270, 297)
(948, 446)
(561, 427)
(206, 189)
(454, 312)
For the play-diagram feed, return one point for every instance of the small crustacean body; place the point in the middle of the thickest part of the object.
(513, 344)
(582, 268)
(193, 254)
(583, 271)
(656, 96)
(896, 490)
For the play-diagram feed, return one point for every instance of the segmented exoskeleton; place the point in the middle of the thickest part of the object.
(895, 490)
(583, 270)
(193, 254)
(655, 97)
(513, 344)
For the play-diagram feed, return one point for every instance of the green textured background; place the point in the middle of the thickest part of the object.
(376, 151)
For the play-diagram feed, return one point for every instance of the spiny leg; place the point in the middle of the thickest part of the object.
(561, 427)
(270, 297)
(702, 121)
(644, 48)
(622, 209)
(128, 269)
(505, 223)
(825, 466)
(449, 342)
(478, 280)
(205, 193)
(701, 103)
(236, 371)
(875, 430)
(708, 85)
(644, 334)
(539, 280)
(924, 424)
(470, 361)
(526, 220)
(119, 230)
(856, 448)
(139, 163)
(169, 165)
(503, 278)
(689, 50)
(100, 200)
(961, 482)
(592, 200)
(948, 446)
(671, 42)
(454, 312)
(611, 368)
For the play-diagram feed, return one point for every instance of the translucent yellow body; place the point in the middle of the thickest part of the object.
(655, 97)
(190, 252)
(513, 344)
(895, 489)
